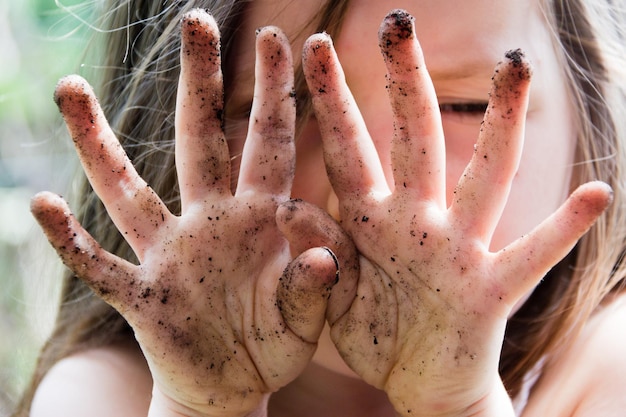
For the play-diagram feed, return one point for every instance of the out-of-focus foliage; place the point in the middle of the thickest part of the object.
(40, 41)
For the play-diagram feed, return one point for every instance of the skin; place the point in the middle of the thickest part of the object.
(252, 315)
(461, 60)
(431, 260)
(440, 279)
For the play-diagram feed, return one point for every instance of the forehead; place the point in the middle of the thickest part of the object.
(451, 32)
(295, 18)
(459, 38)
(440, 24)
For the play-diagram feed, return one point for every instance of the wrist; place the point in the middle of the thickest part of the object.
(162, 405)
(494, 403)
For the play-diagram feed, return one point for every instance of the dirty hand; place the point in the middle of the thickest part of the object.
(220, 310)
(432, 301)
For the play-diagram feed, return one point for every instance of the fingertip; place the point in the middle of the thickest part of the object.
(37, 200)
(313, 273)
(332, 254)
(79, 107)
(317, 46)
(43, 202)
(201, 38)
(270, 32)
(287, 210)
(306, 226)
(398, 18)
(195, 19)
(304, 290)
(72, 90)
(70, 83)
(608, 192)
(397, 26)
(273, 45)
(56, 220)
(516, 68)
(319, 268)
(198, 14)
(509, 95)
(319, 40)
(599, 187)
(596, 196)
(516, 58)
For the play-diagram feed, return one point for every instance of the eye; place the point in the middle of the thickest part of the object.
(464, 109)
(461, 120)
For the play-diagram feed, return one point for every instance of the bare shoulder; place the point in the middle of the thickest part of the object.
(111, 381)
(589, 378)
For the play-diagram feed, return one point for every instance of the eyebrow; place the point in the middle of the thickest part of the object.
(473, 68)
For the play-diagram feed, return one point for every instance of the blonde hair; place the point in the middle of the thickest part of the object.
(589, 38)
(138, 79)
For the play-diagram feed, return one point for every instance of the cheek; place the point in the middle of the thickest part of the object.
(543, 179)
(460, 136)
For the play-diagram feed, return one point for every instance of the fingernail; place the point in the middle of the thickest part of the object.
(332, 254)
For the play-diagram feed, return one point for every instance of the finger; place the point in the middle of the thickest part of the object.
(133, 206)
(306, 226)
(303, 292)
(109, 276)
(483, 189)
(529, 258)
(268, 160)
(202, 157)
(418, 147)
(351, 159)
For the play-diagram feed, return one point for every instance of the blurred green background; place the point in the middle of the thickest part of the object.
(40, 41)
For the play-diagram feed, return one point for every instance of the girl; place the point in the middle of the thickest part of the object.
(438, 248)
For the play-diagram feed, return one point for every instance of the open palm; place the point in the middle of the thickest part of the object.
(428, 320)
(220, 310)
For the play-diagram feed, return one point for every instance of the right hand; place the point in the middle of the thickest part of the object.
(428, 323)
(223, 314)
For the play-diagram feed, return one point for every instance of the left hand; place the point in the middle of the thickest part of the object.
(432, 302)
(222, 311)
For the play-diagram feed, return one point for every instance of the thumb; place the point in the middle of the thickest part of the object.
(306, 226)
(303, 292)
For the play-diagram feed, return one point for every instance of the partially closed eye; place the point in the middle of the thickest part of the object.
(464, 109)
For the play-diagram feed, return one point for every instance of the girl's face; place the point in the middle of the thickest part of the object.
(462, 42)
